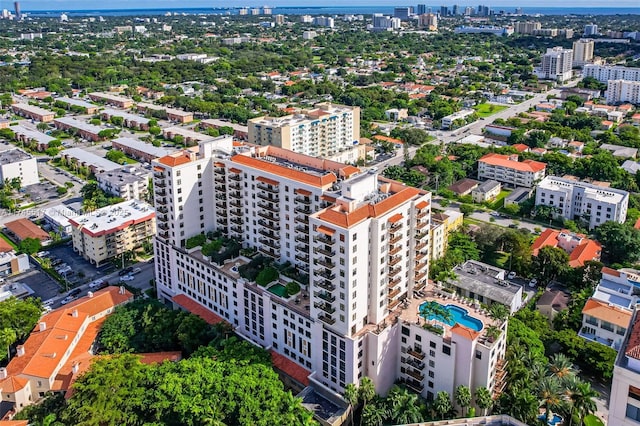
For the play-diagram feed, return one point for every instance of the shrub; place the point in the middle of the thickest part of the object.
(266, 276)
(195, 241)
(293, 288)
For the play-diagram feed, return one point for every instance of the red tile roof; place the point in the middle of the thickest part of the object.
(548, 237)
(290, 368)
(633, 345)
(604, 311)
(197, 309)
(504, 161)
(465, 332)
(5, 246)
(591, 250)
(175, 160)
(23, 228)
(276, 169)
(520, 147)
(13, 384)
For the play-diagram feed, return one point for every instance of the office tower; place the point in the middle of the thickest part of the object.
(468, 11)
(518, 11)
(444, 11)
(582, 51)
(456, 10)
(16, 6)
(322, 132)
(266, 10)
(402, 13)
(590, 29)
(556, 64)
(421, 9)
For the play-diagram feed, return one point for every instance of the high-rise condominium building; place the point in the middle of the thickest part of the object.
(624, 404)
(526, 27)
(583, 51)
(590, 30)
(605, 73)
(322, 132)
(556, 64)
(357, 242)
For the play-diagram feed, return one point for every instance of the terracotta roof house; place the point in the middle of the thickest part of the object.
(464, 186)
(578, 246)
(23, 228)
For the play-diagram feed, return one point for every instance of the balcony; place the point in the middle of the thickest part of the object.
(268, 197)
(162, 210)
(163, 226)
(421, 224)
(270, 243)
(302, 228)
(394, 260)
(421, 215)
(421, 265)
(222, 221)
(302, 219)
(236, 229)
(235, 194)
(420, 255)
(161, 192)
(219, 179)
(268, 252)
(394, 271)
(395, 239)
(269, 206)
(161, 184)
(236, 220)
(236, 212)
(164, 235)
(421, 235)
(395, 227)
(392, 305)
(218, 170)
(415, 375)
(302, 258)
(324, 251)
(268, 216)
(325, 285)
(324, 239)
(158, 175)
(234, 177)
(304, 210)
(421, 246)
(416, 386)
(395, 250)
(303, 200)
(414, 363)
(324, 307)
(235, 203)
(327, 297)
(267, 188)
(269, 224)
(235, 186)
(393, 293)
(221, 204)
(268, 234)
(327, 319)
(222, 213)
(302, 238)
(420, 276)
(326, 263)
(161, 201)
(325, 274)
(416, 354)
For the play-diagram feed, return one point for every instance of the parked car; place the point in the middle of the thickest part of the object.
(126, 271)
(136, 271)
(96, 283)
(43, 254)
(75, 292)
(67, 299)
(511, 275)
(533, 282)
(127, 278)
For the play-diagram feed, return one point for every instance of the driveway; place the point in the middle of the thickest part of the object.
(42, 284)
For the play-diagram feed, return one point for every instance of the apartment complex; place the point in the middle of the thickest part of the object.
(323, 132)
(362, 241)
(111, 99)
(556, 64)
(583, 51)
(130, 120)
(84, 130)
(78, 157)
(171, 114)
(573, 199)
(27, 136)
(624, 403)
(456, 118)
(139, 150)
(111, 231)
(73, 103)
(442, 225)
(607, 313)
(128, 182)
(604, 73)
(58, 349)
(33, 112)
(620, 91)
(507, 169)
(17, 164)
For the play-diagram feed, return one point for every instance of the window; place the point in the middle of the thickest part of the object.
(633, 412)
(446, 350)
(478, 355)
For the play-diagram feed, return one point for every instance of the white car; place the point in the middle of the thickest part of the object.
(43, 254)
(127, 278)
(67, 299)
(533, 282)
(64, 270)
(511, 275)
(96, 283)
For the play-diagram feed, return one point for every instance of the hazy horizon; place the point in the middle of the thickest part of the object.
(71, 5)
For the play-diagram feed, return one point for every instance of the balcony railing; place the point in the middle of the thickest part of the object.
(268, 197)
(421, 215)
(421, 224)
(268, 252)
(302, 228)
(235, 203)
(324, 239)
(326, 263)
(416, 386)
(161, 201)
(325, 252)
(269, 243)
(325, 307)
(415, 375)
(235, 194)
(394, 271)
(237, 229)
(161, 192)
(324, 273)
(395, 239)
(327, 319)
(303, 200)
(267, 215)
(163, 226)
(420, 276)
(236, 220)
(395, 250)
(421, 246)
(302, 238)
(235, 186)
(161, 184)
(395, 260)
(302, 258)
(302, 219)
(268, 234)
(416, 354)
(269, 224)
(325, 284)
(220, 179)
(303, 210)
(221, 204)
(420, 265)
(234, 177)
(393, 293)
(268, 206)
(267, 188)
(328, 297)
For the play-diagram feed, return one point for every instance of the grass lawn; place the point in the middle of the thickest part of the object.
(499, 259)
(485, 110)
(130, 160)
(498, 202)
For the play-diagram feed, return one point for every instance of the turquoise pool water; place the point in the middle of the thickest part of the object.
(278, 289)
(552, 422)
(460, 316)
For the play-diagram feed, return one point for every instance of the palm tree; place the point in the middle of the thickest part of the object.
(351, 395)
(7, 337)
(483, 399)
(550, 394)
(462, 395)
(433, 309)
(561, 367)
(366, 393)
(403, 406)
(373, 415)
(442, 404)
(498, 311)
(580, 396)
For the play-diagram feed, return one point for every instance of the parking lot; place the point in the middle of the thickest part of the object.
(81, 270)
(42, 284)
(43, 191)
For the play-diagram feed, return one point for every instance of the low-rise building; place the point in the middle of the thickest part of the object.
(128, 183)
(110, 231)
(607, 314)
(84, 130)
(239, 131)
(486, 191)
(17, 164)
(171, 114)
(442, 225)
(21, 229)
(624, 403)
(463, 186)
(57, 218)
(580, 248)
(77, 104)
(132, 121)
(78, 157)
(486, 284)
(518, 196)
(139, 150)
(11, 263)
(58, 348)
(572, 199)
(508, 170)
(33, 112)
(190, 137)
(28, 136)
(456, 118)
(620, 151)
(552, 302)
(110, 99)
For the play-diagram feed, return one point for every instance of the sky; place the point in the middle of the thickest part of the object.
(174, 4)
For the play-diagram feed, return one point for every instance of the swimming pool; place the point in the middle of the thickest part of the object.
(460, 316)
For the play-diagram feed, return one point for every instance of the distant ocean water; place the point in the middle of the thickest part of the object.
(327, 10)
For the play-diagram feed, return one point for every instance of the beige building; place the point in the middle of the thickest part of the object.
(583, 51)
(113, 230)
(323, 132)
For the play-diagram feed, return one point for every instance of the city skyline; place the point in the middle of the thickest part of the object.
(174, 4)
